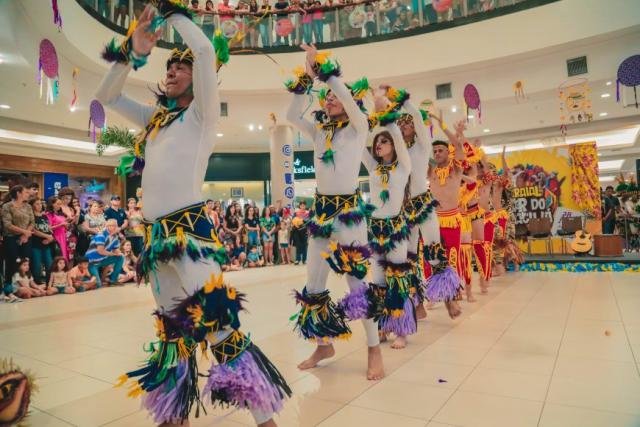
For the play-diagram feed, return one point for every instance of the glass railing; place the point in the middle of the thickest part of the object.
(283, 24)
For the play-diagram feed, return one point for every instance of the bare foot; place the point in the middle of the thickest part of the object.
(322, 352)
(269, 423)
(399, 343)
(383, 336)
(375, 367)
(484, 286)
(453, 308)
(421, 313)
(470, 297)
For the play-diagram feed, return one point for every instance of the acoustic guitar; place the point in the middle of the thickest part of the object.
(581, 243)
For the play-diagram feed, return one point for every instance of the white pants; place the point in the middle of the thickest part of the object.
(318, 268)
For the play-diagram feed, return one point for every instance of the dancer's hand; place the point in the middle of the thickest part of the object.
(311, 51)
(143, 41)
(381, 103)
(460, 127)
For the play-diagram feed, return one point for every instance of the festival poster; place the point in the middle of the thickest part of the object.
(541, 184)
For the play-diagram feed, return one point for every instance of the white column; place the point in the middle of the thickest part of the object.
(281, 147)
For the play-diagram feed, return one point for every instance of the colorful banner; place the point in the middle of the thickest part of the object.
(542, 184)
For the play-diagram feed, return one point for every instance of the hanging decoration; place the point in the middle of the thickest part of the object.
(584, 178)
(57, 18)
(442, 5)
(575, 103)
(629, 75)
(518, 90)
(97, 118)
(472, 100)
(74, 83)
(48, 65)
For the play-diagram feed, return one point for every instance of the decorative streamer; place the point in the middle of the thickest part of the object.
(472, 100)
(518, 90)
(74, 83)
(57, 18)
(575, 103)
(48, 65)
(97, 118)
(629, 75)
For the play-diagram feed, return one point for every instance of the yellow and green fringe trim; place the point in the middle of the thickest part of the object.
(319, 318)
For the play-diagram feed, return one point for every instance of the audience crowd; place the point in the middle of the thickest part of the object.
(290, 22)
(59, 247)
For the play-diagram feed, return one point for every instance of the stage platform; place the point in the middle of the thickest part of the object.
(627, 263)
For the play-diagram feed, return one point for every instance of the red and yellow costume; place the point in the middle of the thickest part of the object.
(451, 223)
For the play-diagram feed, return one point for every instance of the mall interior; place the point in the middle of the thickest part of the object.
(543, 326)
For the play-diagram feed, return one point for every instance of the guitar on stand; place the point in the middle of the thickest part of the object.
(581, 244)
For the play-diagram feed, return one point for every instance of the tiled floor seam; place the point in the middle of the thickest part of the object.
(636, 357)
(555, 362)
(485, 355)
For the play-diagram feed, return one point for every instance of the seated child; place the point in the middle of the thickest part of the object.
(23, 284)
(129, 266)
(253, 258)
(59, 282)
(80, 277)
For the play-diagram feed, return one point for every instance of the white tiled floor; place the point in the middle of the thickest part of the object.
(542, 349)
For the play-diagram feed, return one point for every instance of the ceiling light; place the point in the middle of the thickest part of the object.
(609, 83)
(72, 108)
(1, 60)
(486, 130)
(219, 135)
(605, 95)
(470, 116)
(132, 130)
(251, 127)
(454, 109)
(610, 165)
(5, 106)
(604, 114)
(259, 127)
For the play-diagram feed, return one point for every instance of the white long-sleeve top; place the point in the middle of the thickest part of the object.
(176, 159)
(397, 178)
(420, 153)
(348, 142)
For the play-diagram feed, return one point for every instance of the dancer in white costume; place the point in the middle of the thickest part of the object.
(182, 254)
(339, 222)
(419, 209)
(389, 167)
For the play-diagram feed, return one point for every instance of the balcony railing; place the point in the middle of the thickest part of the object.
(325, 22)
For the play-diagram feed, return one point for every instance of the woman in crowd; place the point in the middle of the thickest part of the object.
(17, 228)
(94, 220)
(72, 214)
(208, 19)
(264, 24)
(268, 228)
(307, 23)
(252, 20)
(318, 21)
(252, 227)
(42, 242)
(59, 224)
(232, 224)
(330, 20)
(135, 228)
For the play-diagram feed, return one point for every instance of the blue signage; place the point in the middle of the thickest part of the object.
(53, 182)
(289, 192)
(286, 150)
(288, 178)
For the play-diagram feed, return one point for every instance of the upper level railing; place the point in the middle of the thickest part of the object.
(279, 26)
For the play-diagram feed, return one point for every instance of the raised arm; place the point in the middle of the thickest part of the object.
(205, 76)
(295, 117)
(356, 117)
(110, 94)
(421, 130)
(368, 160)
(402, 153)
